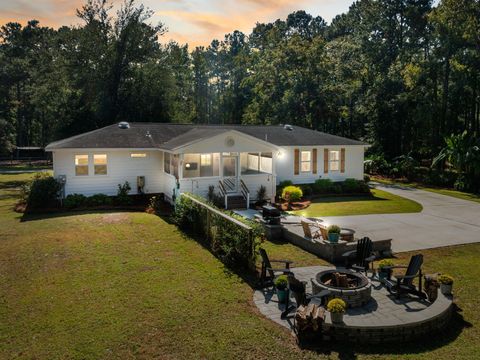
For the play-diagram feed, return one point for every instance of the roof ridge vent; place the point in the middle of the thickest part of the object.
(288, 127)
(123, 125)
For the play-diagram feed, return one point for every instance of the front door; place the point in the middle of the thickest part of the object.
(230, 173)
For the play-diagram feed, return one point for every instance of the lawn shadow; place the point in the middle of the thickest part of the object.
(340, 199)
(65, 214)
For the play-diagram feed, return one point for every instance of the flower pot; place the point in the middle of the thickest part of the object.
(333, 238)
(446, 289)
(383, 275)
(336, 317)
(282, 295)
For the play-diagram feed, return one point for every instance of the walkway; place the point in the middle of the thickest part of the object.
(444, 221)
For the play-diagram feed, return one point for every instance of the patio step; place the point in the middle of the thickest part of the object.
(236, 202)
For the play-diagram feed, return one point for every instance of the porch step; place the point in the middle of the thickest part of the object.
(236, 202)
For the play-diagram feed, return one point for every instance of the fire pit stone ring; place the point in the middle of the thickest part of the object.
(352, 287)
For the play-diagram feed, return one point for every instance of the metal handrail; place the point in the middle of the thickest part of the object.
(223, 192)
(245, 192)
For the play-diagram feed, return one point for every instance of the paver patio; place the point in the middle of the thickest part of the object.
(384, 313)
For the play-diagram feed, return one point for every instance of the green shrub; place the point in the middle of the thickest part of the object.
(385, 263)
(377, 165)
(445, 279)
(285, 183)
(155, 204)
(43, 192)
(281, 282)
(74, 201)
(122, 197)
(307, 189)
(336, 306)
(353, 186)
(292, 193)
(366, 179)
(334, 229)
(99, 200)
(261, 193)
(323, 186)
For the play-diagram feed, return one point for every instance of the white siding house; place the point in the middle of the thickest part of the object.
(169, 158)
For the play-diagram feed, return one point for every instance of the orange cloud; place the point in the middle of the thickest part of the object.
(196, 22)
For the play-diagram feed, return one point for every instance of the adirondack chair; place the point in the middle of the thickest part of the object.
(403, 284)
(308, 232)
(268, 272)
(361, 258)
(298, 289)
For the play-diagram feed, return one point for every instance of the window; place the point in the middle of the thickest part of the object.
(100, 164)
(201, 165)
(306, 161)
(138, 155)
(81, 165)
(334, 159)
(206, 160)
(166, 163)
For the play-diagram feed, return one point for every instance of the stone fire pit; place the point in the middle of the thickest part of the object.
(352, 287)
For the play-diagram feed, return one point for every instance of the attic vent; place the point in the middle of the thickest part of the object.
(288, 127)
(124, 125)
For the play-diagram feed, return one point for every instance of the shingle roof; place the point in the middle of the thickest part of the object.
(171, 136)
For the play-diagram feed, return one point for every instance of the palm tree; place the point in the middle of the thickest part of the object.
(462, 152)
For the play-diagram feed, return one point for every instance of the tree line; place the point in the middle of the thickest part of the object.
(399, 74)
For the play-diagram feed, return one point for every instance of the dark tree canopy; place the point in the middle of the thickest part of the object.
(399, 74)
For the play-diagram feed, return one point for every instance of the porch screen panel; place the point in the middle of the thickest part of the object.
(266, 163)
(201, 165)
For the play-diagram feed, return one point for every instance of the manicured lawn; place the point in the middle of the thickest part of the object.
(443, 191)
(382, 202)
(130, 285)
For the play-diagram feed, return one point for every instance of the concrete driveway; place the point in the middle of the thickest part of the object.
(444, 221)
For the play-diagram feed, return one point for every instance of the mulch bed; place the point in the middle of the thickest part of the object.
(297, 205)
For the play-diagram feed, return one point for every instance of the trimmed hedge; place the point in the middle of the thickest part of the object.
(231, 243)
(325, 187)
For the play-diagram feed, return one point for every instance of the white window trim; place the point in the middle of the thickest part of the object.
(330, 161)
(309, 162)
(75, 164)
(106, 164)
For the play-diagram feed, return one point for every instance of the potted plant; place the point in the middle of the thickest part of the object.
(281, 284)
(446, 283)
(333, 233)
(384, 271)
(337, 308)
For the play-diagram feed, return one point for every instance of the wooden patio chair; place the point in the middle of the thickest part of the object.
(268, 272)
(308, 232)
(361, 258)
(403, 284)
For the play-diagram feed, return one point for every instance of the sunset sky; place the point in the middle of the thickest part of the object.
(196, 22)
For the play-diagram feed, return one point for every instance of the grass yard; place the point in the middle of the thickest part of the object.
(443, 191)
(130, 285)
(382, 202)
